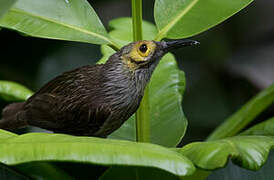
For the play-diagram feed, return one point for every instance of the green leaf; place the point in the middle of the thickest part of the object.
(5, 5)
(58, 147)
(184, 18)
(36, 170)
(237, 121)
(73, 20)
(265, 128)
(11, 91)
(165, 91)
(249, 152)
(6, 134)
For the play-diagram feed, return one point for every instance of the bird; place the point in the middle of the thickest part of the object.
(93, 100)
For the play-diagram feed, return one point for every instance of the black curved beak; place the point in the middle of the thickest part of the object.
(178, 43)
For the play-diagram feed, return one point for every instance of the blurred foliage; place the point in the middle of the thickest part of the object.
(5, 5)
(217, 82)
(11, 91)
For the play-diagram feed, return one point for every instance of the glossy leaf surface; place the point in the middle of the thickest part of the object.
(35, 170)
(5, 5)
(249, 152)
(58, 147)
(73, 20)
(168, 123)
(11, 91)
(184, 18)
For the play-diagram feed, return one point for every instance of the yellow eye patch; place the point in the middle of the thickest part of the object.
(141, 50)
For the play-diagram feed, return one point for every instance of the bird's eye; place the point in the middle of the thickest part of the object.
(143, 48)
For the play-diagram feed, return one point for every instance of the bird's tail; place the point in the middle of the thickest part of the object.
(12, 117)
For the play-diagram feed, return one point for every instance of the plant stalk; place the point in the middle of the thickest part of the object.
(137, 20)
(142, 114)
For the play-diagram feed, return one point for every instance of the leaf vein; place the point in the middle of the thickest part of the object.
(164, 30)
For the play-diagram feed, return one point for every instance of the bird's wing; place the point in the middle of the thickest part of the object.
(59, 114)
(71, 81)
(65, 104)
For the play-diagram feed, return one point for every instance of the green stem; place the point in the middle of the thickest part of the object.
(142, 114)
(142, 119)
(137, 20)
(240, 119)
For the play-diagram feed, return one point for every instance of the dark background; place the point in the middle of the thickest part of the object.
(234, 61)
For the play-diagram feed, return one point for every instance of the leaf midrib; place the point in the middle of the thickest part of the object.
(16, 10)
(164, 30)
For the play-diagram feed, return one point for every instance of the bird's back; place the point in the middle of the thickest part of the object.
(90, 100)
(70, 103)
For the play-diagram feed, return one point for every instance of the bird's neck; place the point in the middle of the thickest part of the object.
(119, 79)
(143, 75)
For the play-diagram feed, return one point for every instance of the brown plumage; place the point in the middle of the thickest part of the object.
(93, 100)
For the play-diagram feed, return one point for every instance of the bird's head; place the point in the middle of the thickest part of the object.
(144, 53)
(133, 65)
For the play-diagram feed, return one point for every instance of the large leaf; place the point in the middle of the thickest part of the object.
(165, 91)
(249, 152)
(6, 134)
(35, 170)
(184, 18)
(73, 20)
(237, 121)
(5, 5)
(11, 91)
(232, 172)
(58, 147)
